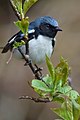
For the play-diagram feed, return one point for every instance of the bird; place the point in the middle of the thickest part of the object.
(41, 40)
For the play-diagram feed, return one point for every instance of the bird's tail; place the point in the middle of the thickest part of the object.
(6, 48)
(17, 37)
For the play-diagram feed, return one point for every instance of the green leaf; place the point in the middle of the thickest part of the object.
(64, 90)
(62, 71)
(48, 81)
(73, 94)
(58, 99)
(67, 90)
(70, 110)
(50, 68)
(40, 93)
(27, 4)
(76, 110)
(40, 85)
(18, 44)
(23, 25)
(78, 100)
(65, 111)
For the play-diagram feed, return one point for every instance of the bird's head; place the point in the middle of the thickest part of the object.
(46, 25)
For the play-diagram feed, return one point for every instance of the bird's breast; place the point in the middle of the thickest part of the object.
(40, 47)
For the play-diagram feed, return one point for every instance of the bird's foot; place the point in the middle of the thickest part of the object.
(38, 69)
(27, 63)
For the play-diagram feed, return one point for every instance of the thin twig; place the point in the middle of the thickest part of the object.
(37, 100)
(29, 62)
(15, 11)
(10, 58)
(36, 71)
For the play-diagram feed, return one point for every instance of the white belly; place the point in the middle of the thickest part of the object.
(40, 47)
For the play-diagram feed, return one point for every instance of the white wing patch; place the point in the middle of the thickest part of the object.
(31, 31)
(12, 40)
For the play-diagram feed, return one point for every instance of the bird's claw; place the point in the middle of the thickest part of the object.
(27, 63)
(38, 70)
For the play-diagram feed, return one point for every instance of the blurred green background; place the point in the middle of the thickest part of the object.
(14, 77)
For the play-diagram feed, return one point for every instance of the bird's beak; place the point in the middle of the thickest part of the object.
(58, 29)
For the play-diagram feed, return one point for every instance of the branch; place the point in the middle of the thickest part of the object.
(36, 71)
(15, 11)
(37, 100)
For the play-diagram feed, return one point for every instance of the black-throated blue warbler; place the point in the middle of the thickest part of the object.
(41, 35)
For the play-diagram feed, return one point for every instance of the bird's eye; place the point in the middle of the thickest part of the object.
(47, 26)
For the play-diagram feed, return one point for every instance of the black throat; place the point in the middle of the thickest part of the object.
(48, 33)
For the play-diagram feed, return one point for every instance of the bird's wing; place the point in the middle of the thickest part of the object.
(17, 37)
